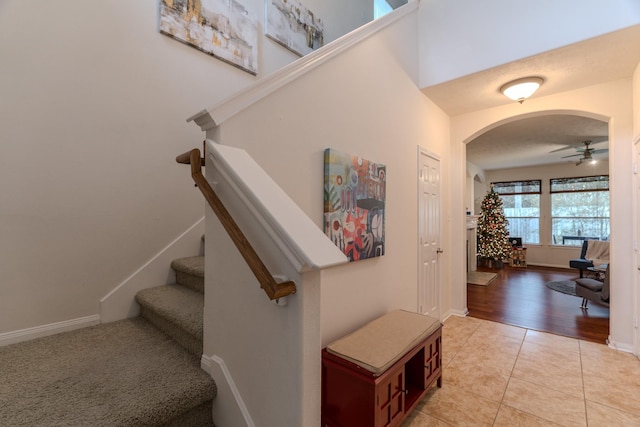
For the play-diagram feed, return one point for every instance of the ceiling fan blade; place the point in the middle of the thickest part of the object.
(573, 155)
(602, 150)
(568, 147)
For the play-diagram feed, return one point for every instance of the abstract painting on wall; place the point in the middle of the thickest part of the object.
(293, 26)
(354, 202)
(221, 28)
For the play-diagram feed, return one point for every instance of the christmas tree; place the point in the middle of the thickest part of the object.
(492, 229)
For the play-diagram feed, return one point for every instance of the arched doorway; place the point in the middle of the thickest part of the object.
(525, 155)
(600, 102)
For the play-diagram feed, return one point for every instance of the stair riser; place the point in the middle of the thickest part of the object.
(190, 281)
(200, 416)
(192, 344)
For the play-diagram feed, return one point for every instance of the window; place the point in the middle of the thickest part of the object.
(380, 8)
(521, 204)
(579, 209)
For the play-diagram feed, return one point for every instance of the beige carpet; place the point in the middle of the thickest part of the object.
(125, 373)
(480, 278)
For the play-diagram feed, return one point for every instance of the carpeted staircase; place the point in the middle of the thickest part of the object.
(143, 371)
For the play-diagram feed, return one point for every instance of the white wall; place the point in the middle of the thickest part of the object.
(546, 253)
(611, 102)
(365, 102)
(455, 43)
(92, 114)
(324, 110)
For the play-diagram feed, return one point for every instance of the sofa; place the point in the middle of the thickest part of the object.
(598, 253)
(594, 290)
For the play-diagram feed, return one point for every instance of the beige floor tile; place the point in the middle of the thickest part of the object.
(418, 419)
(603, 416)
(459, 407)
(545, 403)
(494, 329)
(488, 382)
(486, 340)
(612, 386)
(553, 341)
(555, 369)
(626, 369)
(506, 376)
(550, 355)
(510, 417)
(455, 333)
(448, 350)
(462, 322)
(446, 360)
(605, 353)
(593, 349)
(500, 355)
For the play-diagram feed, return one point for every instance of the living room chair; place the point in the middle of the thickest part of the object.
(582, 263)
(594, 290)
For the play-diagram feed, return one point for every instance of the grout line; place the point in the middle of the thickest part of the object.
(584, 393)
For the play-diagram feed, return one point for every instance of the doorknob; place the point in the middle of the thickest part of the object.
(439, 251)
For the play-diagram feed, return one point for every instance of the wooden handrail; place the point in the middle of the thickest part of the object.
(273, 289)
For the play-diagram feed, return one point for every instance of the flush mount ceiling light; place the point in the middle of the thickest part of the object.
(521, 89)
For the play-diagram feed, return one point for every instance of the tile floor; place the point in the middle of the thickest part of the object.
(501, 375)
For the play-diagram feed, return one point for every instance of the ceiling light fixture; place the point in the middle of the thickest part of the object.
(521, 89)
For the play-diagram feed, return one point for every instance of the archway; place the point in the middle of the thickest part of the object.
(602, 102)
(532, 152)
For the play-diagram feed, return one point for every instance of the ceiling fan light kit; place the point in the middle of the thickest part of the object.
(521, 89)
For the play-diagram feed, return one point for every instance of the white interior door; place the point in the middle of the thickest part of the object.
(429, 231)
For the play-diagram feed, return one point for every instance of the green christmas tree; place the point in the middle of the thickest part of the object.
(492, 229)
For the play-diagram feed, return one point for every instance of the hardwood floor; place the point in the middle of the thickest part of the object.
(518, 296)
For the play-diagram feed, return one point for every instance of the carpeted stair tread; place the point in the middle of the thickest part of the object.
(190, 272)
(177, 304)
(191, 265)
(124, 373)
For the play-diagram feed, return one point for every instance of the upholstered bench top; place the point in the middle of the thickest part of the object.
(382, 342)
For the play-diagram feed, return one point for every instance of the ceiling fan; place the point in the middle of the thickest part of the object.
(587, 153)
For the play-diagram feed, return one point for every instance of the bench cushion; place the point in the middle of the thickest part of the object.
(380, 343)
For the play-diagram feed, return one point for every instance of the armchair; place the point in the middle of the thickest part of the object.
(599, 251)
(594, 290)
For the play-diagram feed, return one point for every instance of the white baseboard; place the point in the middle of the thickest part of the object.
(458, 313)
(46, 330)
(120, 302)
(228, 407)
(624, 347)
(536, 264)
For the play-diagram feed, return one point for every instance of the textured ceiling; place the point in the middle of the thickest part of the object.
(602, 59)
(537, 141)
(529, 142)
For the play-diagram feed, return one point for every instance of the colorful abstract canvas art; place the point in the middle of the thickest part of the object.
(354, 204)
(221, 28)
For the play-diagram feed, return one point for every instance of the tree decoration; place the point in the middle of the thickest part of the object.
(492, 229)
